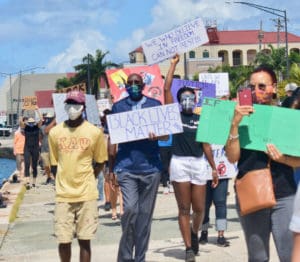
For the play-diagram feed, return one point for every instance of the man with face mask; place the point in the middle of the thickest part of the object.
(137, 167)
(74, 145)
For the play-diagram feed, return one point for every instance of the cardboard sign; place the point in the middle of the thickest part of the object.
(137, 124)
(117, 79)
(221, 81)
(224, 167)
(91, 110)
(179, 40)
(267, 125)
(201, 89)
(29, 103)
(103, 104)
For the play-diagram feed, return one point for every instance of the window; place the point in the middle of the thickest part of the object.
(192, 54)
(205, 54)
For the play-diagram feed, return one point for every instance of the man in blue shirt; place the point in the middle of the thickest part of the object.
(137, 167)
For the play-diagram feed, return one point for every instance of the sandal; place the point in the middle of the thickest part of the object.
(114, 217)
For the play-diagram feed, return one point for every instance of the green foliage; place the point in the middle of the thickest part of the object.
(63, 82)
(95, 66)
(237, 76)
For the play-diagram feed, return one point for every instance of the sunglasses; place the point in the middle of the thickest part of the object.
(259, 85)
(134, 82)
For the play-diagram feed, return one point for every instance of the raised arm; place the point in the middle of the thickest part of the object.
(169, 79)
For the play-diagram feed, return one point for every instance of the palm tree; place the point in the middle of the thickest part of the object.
(276, 60)
(92, 70)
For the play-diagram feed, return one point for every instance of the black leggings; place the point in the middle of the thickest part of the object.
(31, 153)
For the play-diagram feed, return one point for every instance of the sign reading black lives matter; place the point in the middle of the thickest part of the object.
(179, 40)
(137, 124)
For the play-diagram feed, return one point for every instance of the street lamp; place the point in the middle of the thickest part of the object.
(276, 12)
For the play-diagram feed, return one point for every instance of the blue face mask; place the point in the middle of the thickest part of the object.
(134, 91)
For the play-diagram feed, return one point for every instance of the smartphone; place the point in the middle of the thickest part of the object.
(245, 97)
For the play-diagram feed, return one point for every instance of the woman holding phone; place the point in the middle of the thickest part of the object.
(259, 225)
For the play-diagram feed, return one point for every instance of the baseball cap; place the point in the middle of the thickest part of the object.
(75, 96)
(290, 87)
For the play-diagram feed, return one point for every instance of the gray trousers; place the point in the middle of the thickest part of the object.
(259, 225)
(139, 195)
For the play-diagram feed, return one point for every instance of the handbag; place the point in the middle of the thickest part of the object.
(255, 191)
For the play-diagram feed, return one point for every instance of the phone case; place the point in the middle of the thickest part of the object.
(245, 97)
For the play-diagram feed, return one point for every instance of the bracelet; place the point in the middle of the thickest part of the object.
(232, 137)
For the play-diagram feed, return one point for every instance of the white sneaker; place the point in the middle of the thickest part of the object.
(166, 191)
(171, 189)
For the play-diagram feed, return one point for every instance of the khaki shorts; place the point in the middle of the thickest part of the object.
(45, 158)
(75, 219)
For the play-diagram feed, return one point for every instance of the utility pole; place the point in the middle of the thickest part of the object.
(88, 75)
(260, 36)
(278, 13)
(279, 26)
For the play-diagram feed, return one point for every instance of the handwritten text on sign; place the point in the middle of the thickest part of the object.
(179, 40)
(137, 124)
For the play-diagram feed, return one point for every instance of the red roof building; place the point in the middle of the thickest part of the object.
(225, 47)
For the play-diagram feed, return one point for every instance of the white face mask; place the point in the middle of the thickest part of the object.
(73, 110)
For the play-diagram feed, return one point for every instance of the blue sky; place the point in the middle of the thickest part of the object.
(56, 34)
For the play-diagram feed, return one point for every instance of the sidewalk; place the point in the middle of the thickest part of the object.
(30, 237)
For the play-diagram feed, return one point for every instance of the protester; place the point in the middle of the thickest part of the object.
(49, 122)
(294, 103)
(31, 128)
(217, 196)
(165, 150)
(188, 166)
(112, 190)
(115, 191)
(107, 189)
(78, 150)
(258, 226)
(137, 167)
(289, 90)
(19, 143)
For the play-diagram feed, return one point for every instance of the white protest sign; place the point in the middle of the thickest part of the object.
(103, 104)
(221, 80)
(91, 110)
(179, 40)
(137, 124)
(224, 167)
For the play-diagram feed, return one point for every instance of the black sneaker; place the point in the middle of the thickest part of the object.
(189, 255)
(222, 242)
(203, 238)
(195, 242)
(107, 206)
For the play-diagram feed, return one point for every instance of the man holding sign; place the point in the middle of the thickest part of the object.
(137, 166)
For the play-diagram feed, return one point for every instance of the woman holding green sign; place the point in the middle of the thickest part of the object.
(188, 166)
(259, 225)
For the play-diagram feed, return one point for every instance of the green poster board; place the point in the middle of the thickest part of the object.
(267, 125)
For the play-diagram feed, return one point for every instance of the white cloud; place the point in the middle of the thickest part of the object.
(83, 43)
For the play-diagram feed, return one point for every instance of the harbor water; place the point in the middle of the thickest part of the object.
(7, 167)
